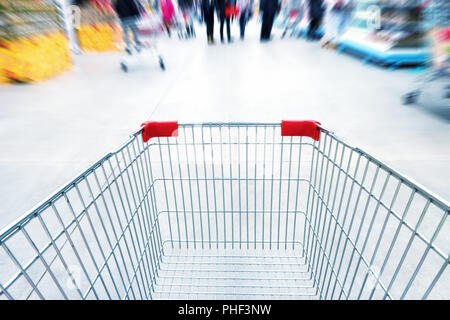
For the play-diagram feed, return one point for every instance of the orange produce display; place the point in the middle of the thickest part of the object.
(34, 58)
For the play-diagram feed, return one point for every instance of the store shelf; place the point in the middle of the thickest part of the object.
(373, 52)
(400, 40)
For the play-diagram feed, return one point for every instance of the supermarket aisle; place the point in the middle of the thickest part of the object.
(51, 131)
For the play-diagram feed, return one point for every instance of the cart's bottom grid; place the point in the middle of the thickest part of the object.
(236, 271)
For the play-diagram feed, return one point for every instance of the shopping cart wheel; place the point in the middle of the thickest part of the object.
(124, 67)
(161, 64)
(410, 97)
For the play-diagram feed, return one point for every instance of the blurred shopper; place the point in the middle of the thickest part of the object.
(268, 9)
(245, 13)
(339, 18)
(316, 13)
(208, 16)
(168, 14)
(187, 9)
(221, 13)
(129, 13)
(294, 14)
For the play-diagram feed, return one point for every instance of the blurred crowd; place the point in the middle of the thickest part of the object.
(179, 15)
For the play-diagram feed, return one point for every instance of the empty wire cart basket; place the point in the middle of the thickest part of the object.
(231, 211)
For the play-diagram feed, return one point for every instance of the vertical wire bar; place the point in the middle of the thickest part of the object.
(271, 188)
(154, 231)
(363, 218)
(311, 200)
(165, 193)
(112, 225)
(342, 230)
(317, 193)
(147, 236)
(436, 278)
(297, 191)
(25, 274)
(182, 194)
(374, 215)
(231, 188)
(63, 261)
(131, 221)
(288, 193)
(239, 181)
(408, 246)
(336, 226)
(190, 191)
(246, 181)
(255, 184)
(148, 206)
(103, 227)
(153, 199)
(279, 191)
(223, 189)
(47, 267)
(93, 232)
(264, 187)
(383, 228)
(340, 169)
(84, 240)
(317, 247)
(305, 227)
(394, 239)
(206, 188)
(329, 212)
(315, 224)
(174, 193)
(198, 187)
(4, 291)
(214, 185)
(309, 180)
(422, 259)
(351, 222)
(122, 229)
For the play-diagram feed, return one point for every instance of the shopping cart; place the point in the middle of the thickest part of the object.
(148, 29)
(436, 81)
(235, 210)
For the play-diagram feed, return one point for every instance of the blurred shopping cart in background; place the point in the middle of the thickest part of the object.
(232, 210)
(437, 79)
(148, 28)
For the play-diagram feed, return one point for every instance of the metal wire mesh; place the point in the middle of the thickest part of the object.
(231, 211)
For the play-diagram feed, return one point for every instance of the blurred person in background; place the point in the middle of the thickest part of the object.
(245, 13)
(168, 14)
(316, 12)
(128, 12)
(208, 7)
(223, 18)
(339, 18)
(187, 9)
(268, 9)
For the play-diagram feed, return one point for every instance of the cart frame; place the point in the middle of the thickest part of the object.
(241, 210)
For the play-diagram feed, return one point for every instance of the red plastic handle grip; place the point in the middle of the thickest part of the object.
(152, 129)
(306, 128)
